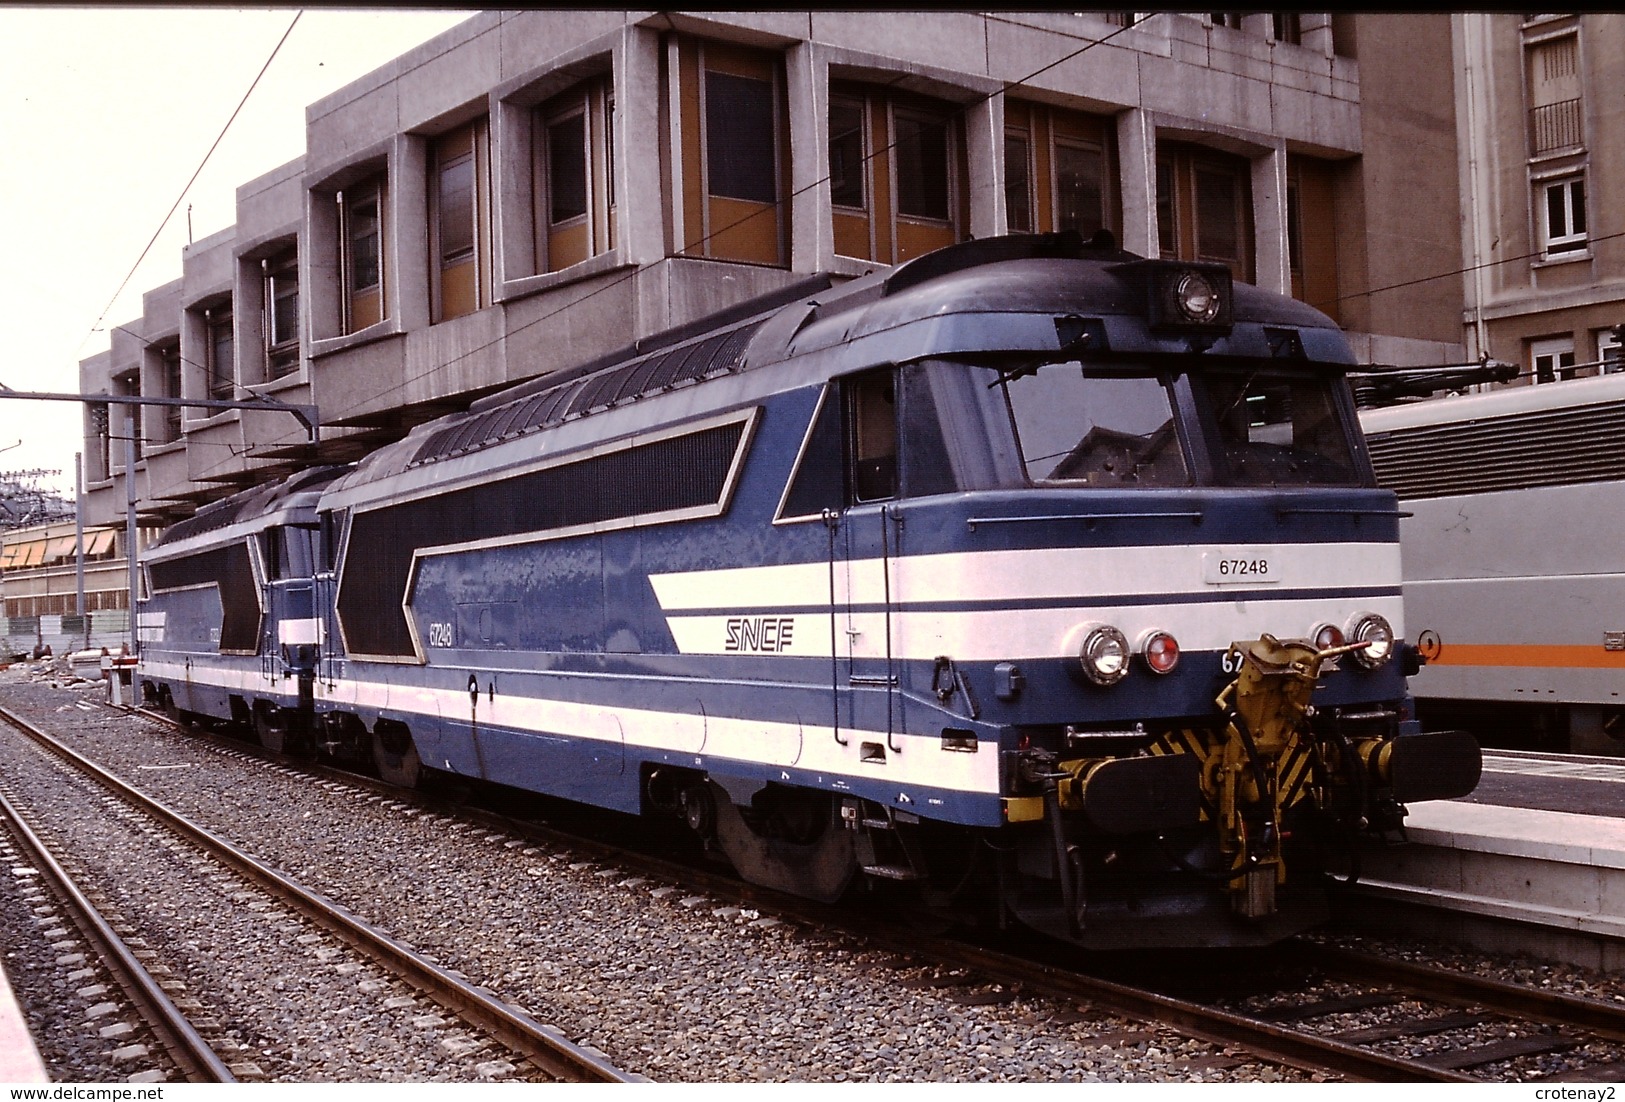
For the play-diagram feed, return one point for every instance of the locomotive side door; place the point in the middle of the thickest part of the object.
(868, 537)
(848, 474)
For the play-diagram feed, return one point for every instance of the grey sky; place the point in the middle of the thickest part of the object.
(105, 114)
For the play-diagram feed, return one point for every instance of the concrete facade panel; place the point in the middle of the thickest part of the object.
(762, 28)
(348, 383)
(451, 81)
(1101, 76)
(546, 333)
(207, 266)
(210, 447)
(333, 137)
(168, 473)
(939, 40)
(271, 206)
(1205, 98)
(458, 356)
(532, 39)
(1320, 124)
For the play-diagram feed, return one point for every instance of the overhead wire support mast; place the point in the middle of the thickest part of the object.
(306, 415)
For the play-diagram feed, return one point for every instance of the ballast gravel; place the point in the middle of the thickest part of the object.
(671, 986)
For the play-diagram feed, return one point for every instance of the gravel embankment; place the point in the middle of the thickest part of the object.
(671, 986)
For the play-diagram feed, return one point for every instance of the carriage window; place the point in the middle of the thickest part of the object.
(1111, 431)
(1277, 429)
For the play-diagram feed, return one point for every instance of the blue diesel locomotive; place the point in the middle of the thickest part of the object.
(1037, 580)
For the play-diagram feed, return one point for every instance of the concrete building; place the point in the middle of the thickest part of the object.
(41, 600)
(1542, 136)
(533, 189)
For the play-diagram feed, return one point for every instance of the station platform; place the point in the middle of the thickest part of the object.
(1540, 844)
(19, 1058)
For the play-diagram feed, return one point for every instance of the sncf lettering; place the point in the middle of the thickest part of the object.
(760, 634)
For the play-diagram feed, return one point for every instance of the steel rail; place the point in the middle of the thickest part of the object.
(544, 1045)
(196, 1060)
(1512, 999)
(1265, 1040)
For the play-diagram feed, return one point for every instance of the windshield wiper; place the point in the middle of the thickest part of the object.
(1068, 352)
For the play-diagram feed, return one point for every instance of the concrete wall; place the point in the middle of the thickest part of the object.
(1386, 120)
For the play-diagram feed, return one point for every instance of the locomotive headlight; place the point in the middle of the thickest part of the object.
(1327, 636)
(1197, 297)
(1376, 631)
(1160, 651)
(1104, 655)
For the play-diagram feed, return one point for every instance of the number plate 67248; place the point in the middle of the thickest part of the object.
(1254, 566)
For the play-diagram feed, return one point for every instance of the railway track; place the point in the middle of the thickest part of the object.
(532, 1043)
(1305, 1032)
(1418, 1000)
(115, 960)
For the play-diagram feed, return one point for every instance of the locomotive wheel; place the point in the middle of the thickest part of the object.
(396, 757)
(274, 727)
(792, 847)
(177, 715)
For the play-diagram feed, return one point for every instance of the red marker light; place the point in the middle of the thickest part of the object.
(1161, 652)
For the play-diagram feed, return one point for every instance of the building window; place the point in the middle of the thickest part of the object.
(169, 366)
(361, 240)
(128, 423)
(99, 463)
(921, 148)
(1231, 19)
(741, 137)
(1286, 26)
(848, 153)
(1167, 218)
(734, 117)
(459, 221)
(1080, 187)
(281, 276)
(1311, 232)
(1563, 203)
(1552, 80)
(910, 195)
(1611, 350)
(1068, 157)
(1552, 360)
(220, 351)
(574, 179)
(1204, 206)
(1018, 185)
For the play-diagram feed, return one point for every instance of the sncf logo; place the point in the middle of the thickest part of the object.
(760, 634)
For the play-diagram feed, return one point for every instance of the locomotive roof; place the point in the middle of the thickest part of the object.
(1472, 408)
(942, 303)
(261, 504)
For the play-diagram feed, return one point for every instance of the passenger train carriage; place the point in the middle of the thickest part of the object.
(1030, 576)
(1514, 581)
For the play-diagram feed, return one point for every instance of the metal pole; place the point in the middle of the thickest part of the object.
(79, 544)
(129, 520)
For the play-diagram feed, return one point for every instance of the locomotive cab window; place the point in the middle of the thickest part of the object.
(286, 552)
(872, 422)
(1128, 424)
(876, 436)
(1277, 428)
(1075, 425)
